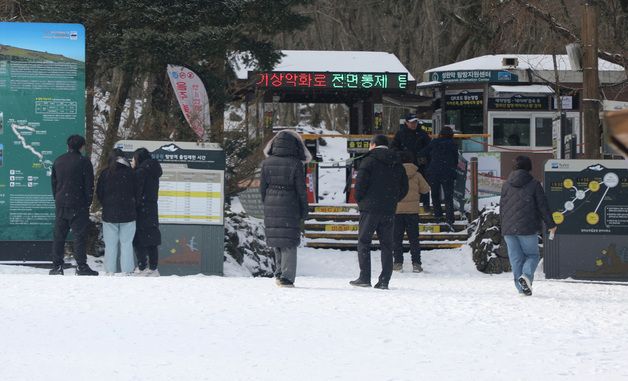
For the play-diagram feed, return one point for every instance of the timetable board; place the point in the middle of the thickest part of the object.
(191, 196)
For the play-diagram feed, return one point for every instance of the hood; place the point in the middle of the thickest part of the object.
(384, 155)
(123, 161)
(519, 177)
(152, 166)
(411, 170)
(288, 143)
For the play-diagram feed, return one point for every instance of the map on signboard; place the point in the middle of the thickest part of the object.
(42, 103)
(591, 200)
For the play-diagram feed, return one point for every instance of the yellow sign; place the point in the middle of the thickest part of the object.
(330, 209)
(341, 228)
(429, 228)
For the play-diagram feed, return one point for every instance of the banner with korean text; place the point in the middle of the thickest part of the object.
(192, 98)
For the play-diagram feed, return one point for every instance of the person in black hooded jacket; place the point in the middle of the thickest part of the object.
(441, 171)
(72, 181)
(147, 235)
(522, 208)
(116, 193)
(381, 183)
(282, 186)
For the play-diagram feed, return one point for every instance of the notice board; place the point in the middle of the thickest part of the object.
(589, 203)
(42, 102)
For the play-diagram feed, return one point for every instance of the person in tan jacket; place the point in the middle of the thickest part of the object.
(407, 216)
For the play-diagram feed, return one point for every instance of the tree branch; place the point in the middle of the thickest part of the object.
(567, 34)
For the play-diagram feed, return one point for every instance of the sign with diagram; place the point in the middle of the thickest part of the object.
(587, 196)
(42, 102)
(588, 200)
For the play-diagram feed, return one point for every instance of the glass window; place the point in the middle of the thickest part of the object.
(511, 131)
(543, 132)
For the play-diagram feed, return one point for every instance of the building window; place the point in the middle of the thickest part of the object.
(526, 129)
(511, 131)
(543, 132)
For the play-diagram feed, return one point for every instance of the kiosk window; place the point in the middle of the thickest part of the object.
(543, 132)
(511, 131)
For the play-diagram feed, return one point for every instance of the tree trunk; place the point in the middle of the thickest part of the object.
(122, 84)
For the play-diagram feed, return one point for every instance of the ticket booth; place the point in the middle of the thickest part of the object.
(191, 205)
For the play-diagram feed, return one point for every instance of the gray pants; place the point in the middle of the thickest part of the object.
(286, 263)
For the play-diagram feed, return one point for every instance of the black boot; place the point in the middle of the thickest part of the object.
(85, 270)
(56, 270)
(360, 283)
(381, 285)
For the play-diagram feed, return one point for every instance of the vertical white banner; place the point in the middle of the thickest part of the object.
(192, 98)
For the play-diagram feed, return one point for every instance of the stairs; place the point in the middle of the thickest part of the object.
(336, 227)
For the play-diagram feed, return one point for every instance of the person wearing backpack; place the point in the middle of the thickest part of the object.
(407, 216)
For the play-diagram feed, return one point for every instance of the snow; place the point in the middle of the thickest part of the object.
(526, 61)
(450, 322)
(327, 60)
(533, 89)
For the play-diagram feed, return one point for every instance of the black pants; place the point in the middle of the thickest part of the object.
(144, 252)
(448, 189)
(383, 224)
(78, 221)
(407, 223)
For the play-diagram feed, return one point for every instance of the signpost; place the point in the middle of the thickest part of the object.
(42, 102)
(589, 203)
(191, 205)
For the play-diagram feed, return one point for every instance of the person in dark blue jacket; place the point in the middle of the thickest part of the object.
(441, 171)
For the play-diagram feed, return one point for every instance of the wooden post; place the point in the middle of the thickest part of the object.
(590, 82)
(474, 188)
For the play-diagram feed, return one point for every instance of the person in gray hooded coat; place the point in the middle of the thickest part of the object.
(282, 185)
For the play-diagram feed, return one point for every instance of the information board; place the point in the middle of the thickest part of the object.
(191, 196)
(588, 196)
(42, 102)
(191, 204)
(588, 200)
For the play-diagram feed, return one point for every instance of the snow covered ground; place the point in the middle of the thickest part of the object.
(450, 322)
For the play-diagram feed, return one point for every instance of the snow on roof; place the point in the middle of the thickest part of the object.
(526, 61)
(328, 60)
(421, 85)
(535, 89)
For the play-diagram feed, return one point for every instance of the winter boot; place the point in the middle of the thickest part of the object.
(85, 270)
(416, 268)
(151, 273)
(526, 285)
(285, 283)
(381, 285)
(56, 270)
(398, 266)
(360, 283)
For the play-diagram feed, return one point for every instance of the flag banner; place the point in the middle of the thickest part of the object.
(192, 98)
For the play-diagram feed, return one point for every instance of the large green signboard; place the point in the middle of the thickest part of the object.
(589, 203)
(42, 102)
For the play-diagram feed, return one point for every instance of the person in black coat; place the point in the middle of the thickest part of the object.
(116, 191)
(282, 186)
(147, 234)
(441, 171)
(522, 209)
(72, 181)
(411, 138)
(381, 183)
